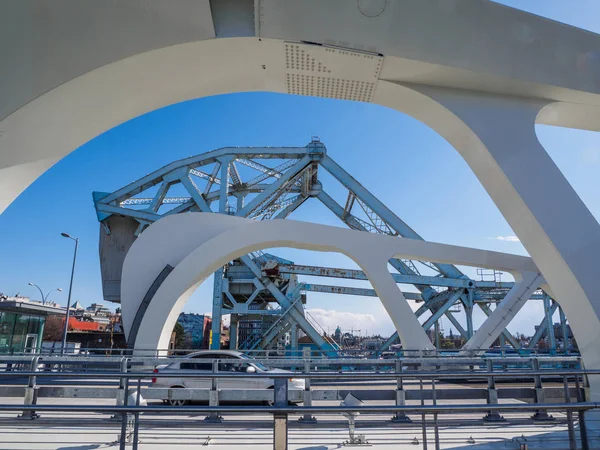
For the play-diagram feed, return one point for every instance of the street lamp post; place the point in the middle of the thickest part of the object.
(44, 298)
(64, 339)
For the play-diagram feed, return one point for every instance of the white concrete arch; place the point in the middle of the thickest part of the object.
(478, 73)
(227, 238)
(73, 113)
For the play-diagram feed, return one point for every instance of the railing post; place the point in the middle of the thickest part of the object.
(213, 395)
(580, 413)
(400, 417)
(571, 429)
(539, 394)
(307, 417)
(492, 396)
(125, 435)
(586, 382)
(136, 423)
(122, 386)
(423, 417)
(436, 429)
(280, 420)
(31, 391)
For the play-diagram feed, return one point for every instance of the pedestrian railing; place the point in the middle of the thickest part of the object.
(28, 377)
(300, 353)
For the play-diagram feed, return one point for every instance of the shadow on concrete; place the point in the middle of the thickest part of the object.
(80, 447)
(318, 447)
(556, 440)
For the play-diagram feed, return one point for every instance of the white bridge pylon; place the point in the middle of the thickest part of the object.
(196, 244)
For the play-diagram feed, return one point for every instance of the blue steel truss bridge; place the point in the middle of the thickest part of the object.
(265, 183)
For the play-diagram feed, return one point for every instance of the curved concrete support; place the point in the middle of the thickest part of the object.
(141, 311)
(208, 252)
(108, 96)
(496, 137)
(162, 249)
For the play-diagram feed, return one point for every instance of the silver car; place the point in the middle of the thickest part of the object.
(202, 362)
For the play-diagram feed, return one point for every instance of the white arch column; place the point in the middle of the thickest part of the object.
(211, 250)
(496, 137)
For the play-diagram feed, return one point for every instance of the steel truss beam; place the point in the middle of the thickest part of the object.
(543, 326)
(203, 159)
(271, 191)
(380, 214)
(353, 274)
(285, 320)
(288, 306)
(354, 223)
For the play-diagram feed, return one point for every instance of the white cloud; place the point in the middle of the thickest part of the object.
(507, 238)
(330, 319)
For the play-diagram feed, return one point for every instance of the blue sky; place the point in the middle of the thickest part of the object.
(408, 166)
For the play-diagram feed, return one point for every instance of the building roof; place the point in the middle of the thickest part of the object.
(30, 308)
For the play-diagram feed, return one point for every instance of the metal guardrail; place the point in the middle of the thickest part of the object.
(314, 353)
(315, 362)
(424, 370)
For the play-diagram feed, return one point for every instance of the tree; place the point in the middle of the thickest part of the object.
(179, 335)
(53, 329)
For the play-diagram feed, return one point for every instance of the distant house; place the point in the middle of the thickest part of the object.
(96, 312)
(95, 328)
(197, 330)
(22, 324)
(372, 343)
(82, 325)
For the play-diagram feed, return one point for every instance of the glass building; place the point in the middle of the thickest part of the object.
(22, 326)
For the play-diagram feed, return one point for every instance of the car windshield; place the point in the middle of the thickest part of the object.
(256, 363)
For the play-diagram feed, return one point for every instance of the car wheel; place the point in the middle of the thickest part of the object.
(173, 402)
